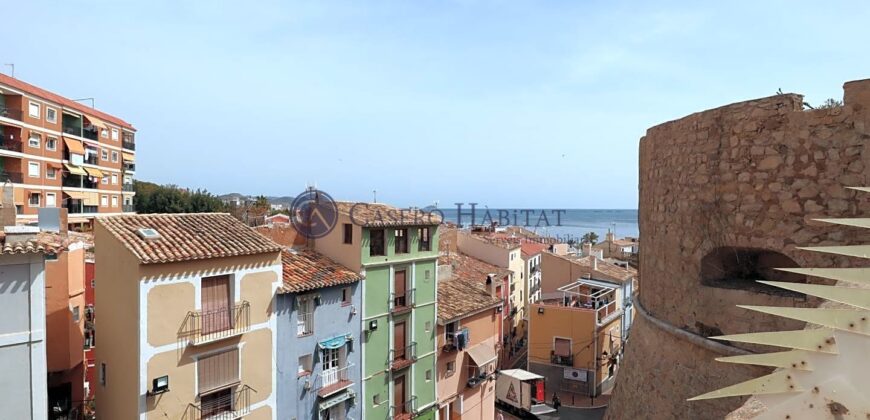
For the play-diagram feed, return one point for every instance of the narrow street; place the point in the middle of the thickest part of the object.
(564, 413)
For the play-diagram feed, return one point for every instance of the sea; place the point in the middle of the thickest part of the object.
(566, 224)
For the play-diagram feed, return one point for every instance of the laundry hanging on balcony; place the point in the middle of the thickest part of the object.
(333, 343)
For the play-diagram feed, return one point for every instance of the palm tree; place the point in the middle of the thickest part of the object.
(590, 237)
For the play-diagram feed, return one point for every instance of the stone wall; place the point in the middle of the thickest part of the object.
(750, 175)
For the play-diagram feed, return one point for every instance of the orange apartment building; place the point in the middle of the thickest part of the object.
(60, 153)
(469, 317)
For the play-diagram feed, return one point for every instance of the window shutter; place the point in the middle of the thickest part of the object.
(218, 371)
(563, 347)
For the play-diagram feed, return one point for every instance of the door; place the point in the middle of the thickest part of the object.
(399, 287)
(216, 304)
(330, 366)
(399, 342)
(399, 394)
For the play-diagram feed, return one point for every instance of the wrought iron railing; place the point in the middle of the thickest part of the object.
(9, 143)
(14, 177)
(128, 208)
(201, 327)
(403, 356)
(330, 381)
(11, 113)
(402, 301)
(229, 406)
(404, 410)
(561, 360)
(129, 145)
(126, 187)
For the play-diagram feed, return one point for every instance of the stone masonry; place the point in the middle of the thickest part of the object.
(750, 175)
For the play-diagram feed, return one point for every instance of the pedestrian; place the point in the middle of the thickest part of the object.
(556, 402)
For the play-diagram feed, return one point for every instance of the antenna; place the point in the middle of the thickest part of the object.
(375, 193)
(86, 99)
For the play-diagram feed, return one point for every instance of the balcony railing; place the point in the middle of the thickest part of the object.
(13, 177)
(402, 302)
(403, 357)
(79, 209)
(79, 181)
(477, 376)
(331, 381)
(129, 145)
(129, 167)
(127, 187)
(453, 341)
(92, 159)
(11, 113)
(10, 144)
(128, 208)
(404, 410)
(605, 312)
(202, 327)
(76, 131)
(230, 406)
(561, 360)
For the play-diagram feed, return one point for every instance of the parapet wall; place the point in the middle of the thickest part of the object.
(746, 176)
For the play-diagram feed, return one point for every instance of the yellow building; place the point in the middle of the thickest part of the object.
(187, 329)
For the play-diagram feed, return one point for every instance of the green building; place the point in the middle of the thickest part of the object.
(397, 253)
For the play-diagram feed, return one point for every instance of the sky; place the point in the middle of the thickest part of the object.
(510, 104)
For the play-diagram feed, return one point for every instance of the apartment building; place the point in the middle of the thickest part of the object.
(611, 247)
(60, 153)
(319, 330)
(396, 252)
(469, 318)
(187, 325)
(531, 255)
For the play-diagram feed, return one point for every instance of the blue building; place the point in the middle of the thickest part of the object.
(319, 327)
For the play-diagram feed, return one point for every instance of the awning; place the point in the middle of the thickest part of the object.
(94, 172)
(338, 398)
(75, 170)
(55, 165)
(128, 157)
(482, 354)
(96, 122)
(18, 196)
(74, 146)
(75, 195)
(91, 199)
(333, 343)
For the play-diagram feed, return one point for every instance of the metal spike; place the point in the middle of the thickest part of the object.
(857, 222)
(792, 359)
(851, 275)
(851, 296)
(819, 339)
(864, 189)
(775, 383)
(860, 251)
(841, 319)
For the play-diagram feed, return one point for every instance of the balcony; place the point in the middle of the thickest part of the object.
(128, 208)
(129, 145)
(404, 411)
(332, 381)
(401, 303)
(13, 177)
(403, 357)
(8, 143)
(73, 208)
(92, 159)
(455, 341)
(228, 405)
(476, 376)
(561, 360)
(127, 187)
(11, 113)
(129, 166)
(79, 181)
(607, 312)
(204, 327)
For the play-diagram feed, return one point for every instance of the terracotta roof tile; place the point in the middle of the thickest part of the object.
(60, 100)
(470, 268)
(382, 215)
(533, 248)
(308, 270)
(43, 242)
(460, 297)
(185, 237)
(605, 269)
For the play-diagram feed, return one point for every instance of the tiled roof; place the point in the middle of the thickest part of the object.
(607, 269)
(382, 215)
(185, 237)
(533, 248)
(43, 242)
(470, 268)
(60, 100)
(308, 270)
(459, 298)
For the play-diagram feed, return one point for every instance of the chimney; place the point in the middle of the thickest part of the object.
(587, 249)
(595, 263)
(489, 281)
(7, 206)
(609, 237)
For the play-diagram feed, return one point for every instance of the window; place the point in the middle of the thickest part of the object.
(376, 399)
(104, 133)
(114, 201)
(33, 169)
(427, 274)
(428, 326)
(425, 240)
(50, 172)
(346, 296)
(105, 180)
(51, 115)
(103, 374)
(51, 143)
(34, 110)
(216, 299)
(401, 245)
(428, 375)
(376, 242)
(33, 199)
(217, 371)
(306, 363)
(114, 156)
(76, 314)
(451, 368)
(562, 351)
(35, 140)
(50, 199)
(114, 179)
(348, 233)
(104, 155)
(115, 134)
(304, 315)
(104, 201)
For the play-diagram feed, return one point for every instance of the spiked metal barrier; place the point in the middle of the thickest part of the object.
(826, 374)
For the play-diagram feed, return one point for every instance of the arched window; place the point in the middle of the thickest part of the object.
(739, 268)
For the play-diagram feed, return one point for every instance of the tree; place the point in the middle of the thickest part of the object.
(590, 237)
(153, 198)
(830, 103)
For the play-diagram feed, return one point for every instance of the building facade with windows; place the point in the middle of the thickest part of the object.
(197, 335)
(60, 153)
(319, 358)
(396, 252)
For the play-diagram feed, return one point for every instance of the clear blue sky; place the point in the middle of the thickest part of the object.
(506, 103)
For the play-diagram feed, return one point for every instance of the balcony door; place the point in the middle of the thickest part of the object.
(216, 304)
(332, 363)
(399, 394)
(400, 283)
(399, 340)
